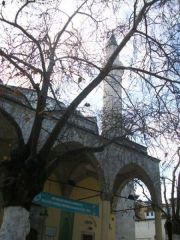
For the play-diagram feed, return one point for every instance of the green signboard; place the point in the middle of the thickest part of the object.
(50, 200)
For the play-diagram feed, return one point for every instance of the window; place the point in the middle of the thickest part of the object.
(147, 214)
(87, 236)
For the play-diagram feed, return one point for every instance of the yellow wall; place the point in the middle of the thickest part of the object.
(85, 223)
(82, 223)
(53, 219)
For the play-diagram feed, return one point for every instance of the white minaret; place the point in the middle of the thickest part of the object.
(112, 98)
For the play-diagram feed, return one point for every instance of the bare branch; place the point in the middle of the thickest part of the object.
(156, 75)
(30, 37)
(21, 8)
(104, 72)
(22, 70)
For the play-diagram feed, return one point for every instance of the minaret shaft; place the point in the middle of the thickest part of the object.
(112, 97)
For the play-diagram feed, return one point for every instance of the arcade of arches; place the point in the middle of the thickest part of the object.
(91, 178)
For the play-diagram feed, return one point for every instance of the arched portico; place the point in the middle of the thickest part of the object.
(111, 168)
(10, 137)
(77, 166)
(80, 177)
(124, 176)
(131, 171)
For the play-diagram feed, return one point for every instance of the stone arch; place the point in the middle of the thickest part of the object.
(5, 116)
(75, 168)
(10, 135)
(131, 171)
(126, 223)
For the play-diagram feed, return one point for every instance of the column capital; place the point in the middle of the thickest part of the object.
(107, 196)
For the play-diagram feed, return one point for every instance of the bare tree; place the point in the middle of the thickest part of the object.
(51, 49)
(172, 208)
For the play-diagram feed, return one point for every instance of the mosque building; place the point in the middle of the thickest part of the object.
(82, 198)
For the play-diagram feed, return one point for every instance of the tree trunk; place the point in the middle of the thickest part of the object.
(15, 224)
(20, 182)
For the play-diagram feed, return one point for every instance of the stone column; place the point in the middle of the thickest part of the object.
(158, 224)
(105, 216)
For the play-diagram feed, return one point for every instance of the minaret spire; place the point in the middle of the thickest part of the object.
(112, 98)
